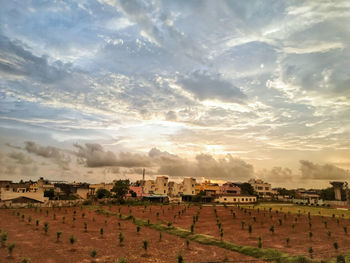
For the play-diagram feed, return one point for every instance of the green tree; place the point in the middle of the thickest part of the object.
(247, 189)
(102, 193)
(120, 188)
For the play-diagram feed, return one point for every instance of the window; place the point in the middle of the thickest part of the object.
(164, 184)
(250, 199)
(192, 192)
(234, 199)
(225, 199)
(164, 191)
(193, 185)
(246, 199)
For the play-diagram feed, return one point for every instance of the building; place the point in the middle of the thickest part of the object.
(233, 199)
(156, 187)
(262, 188)
(135, 191)
(175, 189)
(189, 186)
(210, 189)
(230, 189)
(94, 187)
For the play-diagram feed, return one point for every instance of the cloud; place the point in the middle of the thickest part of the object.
(314, 171)
(94, 155)
(21, 158)
(204, 86)
(53, 153)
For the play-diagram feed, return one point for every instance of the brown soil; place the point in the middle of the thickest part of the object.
(299, 244)
(40, 247)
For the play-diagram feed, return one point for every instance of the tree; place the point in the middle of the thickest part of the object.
(49, 193)
(247, 189)
(120, 188)
(102, 193)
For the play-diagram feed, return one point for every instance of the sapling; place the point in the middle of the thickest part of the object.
(10, 248)
(101, 232)
(46, 227)
(259, 242)
(93, 253)
(287, 241)
(336, 246)
(145, 244)
(180, 259)
(310, 252)
(3, 238)
(121, 238)
(37, 223)
(310, 234)
(138, 228)
(85, 227)
(187, 243)
(345, 230)
(58, 235)
(250, 229)
(160, 236)
(272, 229)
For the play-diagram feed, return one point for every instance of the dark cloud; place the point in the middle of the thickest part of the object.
(95, 156)
(314, 171)
(15, 60)
(53, 153)
(205, 85)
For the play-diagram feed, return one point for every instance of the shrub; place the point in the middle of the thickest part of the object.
(272, 229)
(85, 227)
(345, 229)
(192, 228)
(63, 220)
(101, 232)
(122, 260)
(180, 259)
(29, 219)
(160, 236)
(310, 235)
(280, 221)
(37, 223)
(187, 243)
(93, 253)
(329, 233)
(138, 228)
(250, 229)
(341, 259)
(242, 224)
(10, 248)
(25, 260)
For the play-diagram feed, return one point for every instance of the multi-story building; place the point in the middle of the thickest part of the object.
(233, 199)
(189, 186)
(230, 189)
(175, 189)
(210, 189)
(262, 188)
(94, 187)
(156, 187)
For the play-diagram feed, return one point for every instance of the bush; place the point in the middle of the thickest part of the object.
(180, 259)
(122, 260)
(58, 235)
(25, 260)
(341, 259)
(121, 238)
(72, 239)
(3, 238)
(259, 242)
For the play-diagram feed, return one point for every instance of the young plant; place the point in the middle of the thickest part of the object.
(37, 223)
(187, 243)
(336, 246)
(3, 239)
(242, 224)
(58, 235)
(310, 234)
(287, 241)
(101, 232)
(250, 229)
(345, 230)
(121, 238)
(310, 252)
(72, 240)
(93, 253)
(192, 229)
(180, 259)
(85, 227)
(63, 220)
(10, 248)
(272, 229)
(160, 236)
(259, 242)
(46, 227)
(145, 244)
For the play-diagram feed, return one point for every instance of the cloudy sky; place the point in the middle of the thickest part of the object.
(228, 90)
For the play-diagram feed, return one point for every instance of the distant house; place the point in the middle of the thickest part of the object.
(230, 189)
(262, 188)
(231, 199)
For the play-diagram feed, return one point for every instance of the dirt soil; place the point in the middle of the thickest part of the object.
(43, 248)
(300, 241)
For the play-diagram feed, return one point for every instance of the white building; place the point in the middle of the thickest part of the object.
(262, 188)
(189, 186)
(229, 199)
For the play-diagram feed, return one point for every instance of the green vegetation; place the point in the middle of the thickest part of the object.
(10, 248)
(145, 244)
(58, 235)
(93, 253)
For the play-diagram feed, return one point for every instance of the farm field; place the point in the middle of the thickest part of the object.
(244, 225)
(32, 242)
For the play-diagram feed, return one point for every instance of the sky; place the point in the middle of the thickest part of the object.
(223, 90)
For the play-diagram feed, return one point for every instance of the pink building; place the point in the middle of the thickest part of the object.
(230, 189)
(137, 190)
